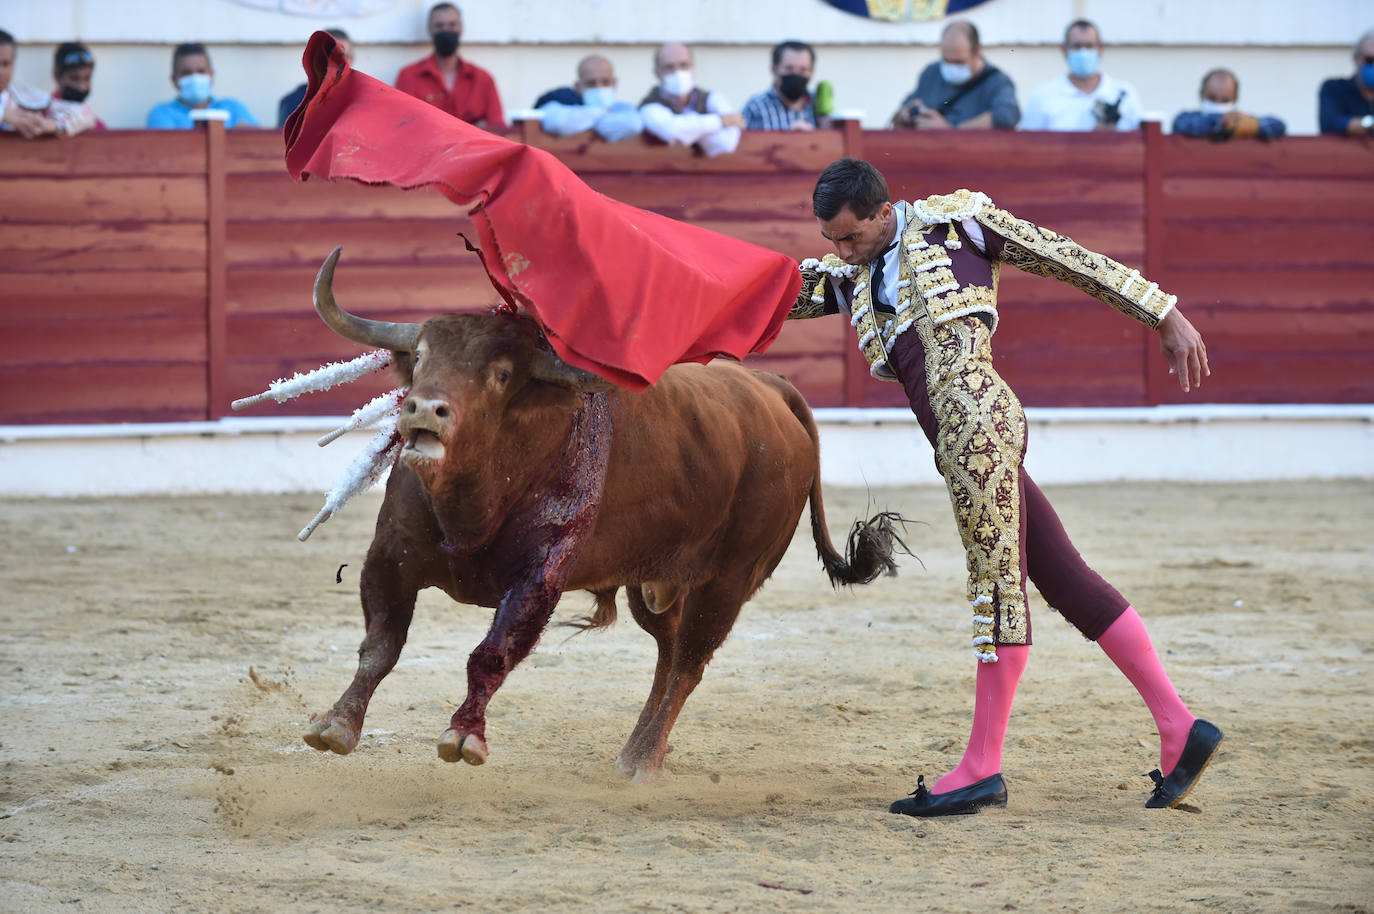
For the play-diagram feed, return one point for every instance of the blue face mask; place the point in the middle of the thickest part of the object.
(956, 74)
(194, 88)
(599, 96)
(1367, 75)
(1084, 62)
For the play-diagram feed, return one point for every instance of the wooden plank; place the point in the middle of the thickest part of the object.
(1005, 151)
(1246, 197)
(385, 292)
(44, 200)
(107, 340)
(276, 196)
(305, 242)
(150, 391)
(1316, 290)
(105, 153)
(86, 246)
(820, 380)
(76, 295)
(255, 152)
(1153, 364)
(1227, 243)
(1290, 158)
(216, 309)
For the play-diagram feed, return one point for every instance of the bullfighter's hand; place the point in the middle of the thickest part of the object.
(1184, 349)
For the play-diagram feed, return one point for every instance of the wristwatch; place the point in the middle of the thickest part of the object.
(1367, 122)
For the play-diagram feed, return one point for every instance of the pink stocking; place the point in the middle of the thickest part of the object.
(1128, 644)
(991, 710)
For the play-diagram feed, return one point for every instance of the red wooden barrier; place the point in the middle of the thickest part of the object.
(155, 276)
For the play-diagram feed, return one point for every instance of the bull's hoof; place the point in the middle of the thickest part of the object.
(329, 734)
(466, 747)
(640, 771)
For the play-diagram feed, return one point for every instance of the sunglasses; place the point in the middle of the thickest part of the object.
(77, 59)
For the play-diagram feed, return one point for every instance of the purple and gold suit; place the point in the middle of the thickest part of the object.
(933, 336)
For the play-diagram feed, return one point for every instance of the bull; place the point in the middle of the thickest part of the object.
(521, 477)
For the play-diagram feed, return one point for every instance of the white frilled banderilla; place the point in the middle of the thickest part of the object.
(367, 468)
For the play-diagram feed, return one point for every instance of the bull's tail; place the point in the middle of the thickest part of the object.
(872, 543)
(603, 616)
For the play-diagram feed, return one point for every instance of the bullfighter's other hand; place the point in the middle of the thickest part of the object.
(1184, 349)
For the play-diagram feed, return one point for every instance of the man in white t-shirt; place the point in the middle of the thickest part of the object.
(1085, 98)
(678, 111)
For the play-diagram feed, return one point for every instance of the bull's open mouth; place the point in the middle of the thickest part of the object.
(423, 445)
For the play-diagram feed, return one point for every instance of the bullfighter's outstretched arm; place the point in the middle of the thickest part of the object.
(817, 297)
(1042, 252)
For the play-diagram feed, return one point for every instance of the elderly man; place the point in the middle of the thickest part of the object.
(788, 105)
(677, 111)
(1218, 118)
(961, 89)
(447, 81)
(589, 104)
(1085, 98)
(1347, 105)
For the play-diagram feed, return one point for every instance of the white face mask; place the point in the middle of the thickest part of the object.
(678, 83)
(599, 96)
(1211, 107)
(956, 74)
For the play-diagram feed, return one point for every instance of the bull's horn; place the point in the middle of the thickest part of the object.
(380, 334)
(545, 366)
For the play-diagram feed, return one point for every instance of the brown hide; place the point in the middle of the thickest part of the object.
(512, 488)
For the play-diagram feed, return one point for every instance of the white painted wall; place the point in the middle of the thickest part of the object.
(1281, 50)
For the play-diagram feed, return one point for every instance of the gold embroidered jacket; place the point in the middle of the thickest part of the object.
(928, 290)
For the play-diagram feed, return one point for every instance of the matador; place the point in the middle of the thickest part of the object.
(918, 281)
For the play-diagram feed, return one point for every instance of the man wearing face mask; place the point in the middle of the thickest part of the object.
(72, 68)
(676, 111)
(1218, 118)
(787, 105)
(194, 77)
(1085, 98)
(589, 104)
(447, 81)
(961, 89)
(1346, 106)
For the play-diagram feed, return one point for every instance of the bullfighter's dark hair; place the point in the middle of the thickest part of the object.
(1082, 24)
(783, 47)
(189, 49)
(849, 182)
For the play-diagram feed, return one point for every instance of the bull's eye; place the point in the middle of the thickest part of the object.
(503, 376)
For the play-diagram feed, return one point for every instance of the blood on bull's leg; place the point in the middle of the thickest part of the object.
(388, 606)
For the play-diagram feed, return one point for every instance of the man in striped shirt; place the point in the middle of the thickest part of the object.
(787, 105)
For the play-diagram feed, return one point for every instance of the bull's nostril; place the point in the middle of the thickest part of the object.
(410, 407)
(441, 412)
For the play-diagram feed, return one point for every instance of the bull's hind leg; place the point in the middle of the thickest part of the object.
(388, 605)
(708, 613)
(662, 623)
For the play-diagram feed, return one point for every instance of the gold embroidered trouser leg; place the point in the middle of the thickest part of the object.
(979, 446)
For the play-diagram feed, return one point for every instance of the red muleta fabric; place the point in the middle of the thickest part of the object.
(619, 291)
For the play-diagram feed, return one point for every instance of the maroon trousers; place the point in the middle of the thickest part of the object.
(1066, 582)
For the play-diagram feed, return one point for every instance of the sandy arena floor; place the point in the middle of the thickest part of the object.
(161, 657)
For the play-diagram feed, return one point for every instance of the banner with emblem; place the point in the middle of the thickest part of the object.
(904, 10)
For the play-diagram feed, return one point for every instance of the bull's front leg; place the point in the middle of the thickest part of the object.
(524, 612)
(388, 606)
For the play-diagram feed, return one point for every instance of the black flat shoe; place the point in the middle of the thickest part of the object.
(990, 791)
(1203, 740)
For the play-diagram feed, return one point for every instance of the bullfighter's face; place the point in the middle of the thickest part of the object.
(859, 241)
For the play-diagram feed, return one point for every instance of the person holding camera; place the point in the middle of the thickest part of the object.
(1085, 98)
(961, 89)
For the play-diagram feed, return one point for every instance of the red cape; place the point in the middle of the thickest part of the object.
(619, 291)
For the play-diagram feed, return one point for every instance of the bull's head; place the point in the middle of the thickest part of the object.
(490, 404)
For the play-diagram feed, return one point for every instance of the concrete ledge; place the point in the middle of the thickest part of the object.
(873, 447)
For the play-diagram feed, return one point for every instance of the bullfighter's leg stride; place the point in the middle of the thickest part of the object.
(918, 282)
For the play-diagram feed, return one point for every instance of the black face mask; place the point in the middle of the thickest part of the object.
(792, 86)
(68, 94)
(446, 43)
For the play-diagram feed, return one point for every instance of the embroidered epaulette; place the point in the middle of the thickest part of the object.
(956, 207)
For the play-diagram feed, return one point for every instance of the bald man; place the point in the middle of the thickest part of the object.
(589, 104)
(678, 112)
(961, 89)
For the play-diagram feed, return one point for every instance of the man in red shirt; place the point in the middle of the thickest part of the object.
(447, 81)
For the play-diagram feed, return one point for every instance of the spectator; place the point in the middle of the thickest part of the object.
(1346, 106)
(21, 108)
(961, 89)
(72, 68)
(447, 81)
(788, 105)
(1085, 98)
(676, 111)
(292, 100)
(589, 104)
(193, 77)
(1218, 118)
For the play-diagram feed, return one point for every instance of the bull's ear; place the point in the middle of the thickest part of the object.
(545, 366)
(403, 362)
